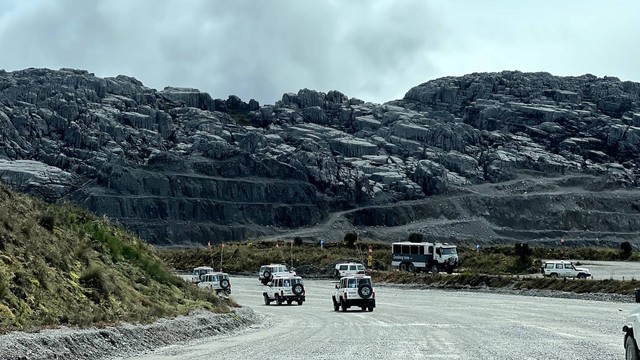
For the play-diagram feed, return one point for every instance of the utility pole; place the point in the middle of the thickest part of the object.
(221, 252)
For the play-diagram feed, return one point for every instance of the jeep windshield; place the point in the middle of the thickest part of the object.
(354, 283)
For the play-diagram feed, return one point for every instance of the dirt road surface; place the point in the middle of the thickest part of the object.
(418, 324)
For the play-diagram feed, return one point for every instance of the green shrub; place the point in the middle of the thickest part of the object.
(95, 280)
(415, 237)
(626, 249)
(350, 239)
(47, 221)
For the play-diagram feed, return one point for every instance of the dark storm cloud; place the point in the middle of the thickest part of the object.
(375, 49)
(258, 49)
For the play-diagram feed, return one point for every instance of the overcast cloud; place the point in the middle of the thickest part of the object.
(375, 50)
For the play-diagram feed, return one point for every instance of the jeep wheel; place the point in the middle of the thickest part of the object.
(403, 267)
(363, 308)
(299, 301)
(336, 305)
(581, 276)
(266, 299)
(224, 284)
(278, 299)
(630, 349)
(365, 291)
(370, 308)
(449, 270)
(297, 289)
(289, 301)
(344, 305)
(411, 267)
(267, 275)
(553, 275)
(336, 273)
(435, 269)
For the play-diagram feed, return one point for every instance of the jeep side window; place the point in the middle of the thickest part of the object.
(352, 267)
(568, 266)
(558, 266)
(352, 283)
(548, 265)
(286, 283)
(343, 267)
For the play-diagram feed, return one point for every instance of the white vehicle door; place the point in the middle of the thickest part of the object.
(343, 269)
(559, 269)
(570, 271)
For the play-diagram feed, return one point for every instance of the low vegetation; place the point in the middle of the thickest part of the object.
(249, 256)
(499, 266)
(474, 280)
(60, 265)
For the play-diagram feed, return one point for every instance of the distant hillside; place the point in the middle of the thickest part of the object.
(489, 157)
(63, 266)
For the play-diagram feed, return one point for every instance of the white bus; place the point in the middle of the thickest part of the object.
(424, 256)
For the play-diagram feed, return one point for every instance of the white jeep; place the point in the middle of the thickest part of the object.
(630, 344)
(217, 281)
(563, 268)
(288, 288)
(199, 272)
(354, 290)
(348, 268)
(268, 272)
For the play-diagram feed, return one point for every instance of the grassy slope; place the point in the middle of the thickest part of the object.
(61, 265)
(492, 267)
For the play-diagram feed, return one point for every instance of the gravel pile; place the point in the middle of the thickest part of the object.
(123, 340)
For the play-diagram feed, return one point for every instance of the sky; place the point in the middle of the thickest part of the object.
(374, 50)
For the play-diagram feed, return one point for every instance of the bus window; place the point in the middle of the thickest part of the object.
(396, 249)
(421, 250)
(430, 249)
(405, 249)
(414, 250)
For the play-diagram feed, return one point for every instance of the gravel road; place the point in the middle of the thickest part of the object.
(416, 324)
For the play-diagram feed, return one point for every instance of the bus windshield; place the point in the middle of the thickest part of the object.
(448, 251)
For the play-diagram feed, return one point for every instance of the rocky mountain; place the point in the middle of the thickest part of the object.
(491, 157)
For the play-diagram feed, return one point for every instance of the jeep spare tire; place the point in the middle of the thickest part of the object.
(297, 289)
(224, 284)
(365, 291)
(266, 274)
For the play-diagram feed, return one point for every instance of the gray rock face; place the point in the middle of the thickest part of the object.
(180, 167)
